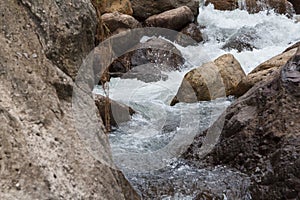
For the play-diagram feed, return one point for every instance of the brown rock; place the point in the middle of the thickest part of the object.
(190, 35)
(260, 136)
(118, 112)
(144, 9)
(116, 21)
(42, 155)
(262, 71)
(109, 6)
(210, 81)
(175, 19)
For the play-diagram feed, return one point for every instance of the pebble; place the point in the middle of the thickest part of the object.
(34, 55)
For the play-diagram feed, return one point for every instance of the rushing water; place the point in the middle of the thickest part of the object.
(147, 147)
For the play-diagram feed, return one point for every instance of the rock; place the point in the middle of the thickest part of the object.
(262, 71)
(242, 40)
(116, 21)
(144, 9)
(42, 155)
(254, 6)
(110, 6)
(118, 112)
(210, 81)
(260, 136)
(190, 35)
(296, 5)
(174, 19)
(157, 51)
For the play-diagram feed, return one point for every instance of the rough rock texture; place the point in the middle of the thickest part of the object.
(157, 51)
(114, 21)
(253, 6)
(41, 154)
(109, 6)
(144, 9)
(210, 81)
(118, 112)
(262, 71)
(174, 19)
(190, 35)
(260, 136)
(296, 5)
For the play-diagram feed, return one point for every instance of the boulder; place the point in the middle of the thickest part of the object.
(174, 19)
(262, 71)
(42, 155)
(116, 21)
(118, 112)
(190, 35)
(109, 6)
(296, 5)
(260, 136)
(144, 9)
(210, 81)
(254, 6)
(157, 51)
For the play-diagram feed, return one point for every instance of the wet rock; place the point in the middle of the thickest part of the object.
(118, 112)
(242, 40)
(109, 6)
(263, 71)
(174, 19)
(260, 136)
(190, 35)
(116, 21)
(210, 81)
(162, 53)
(144, 9)
(254, 6)
(296, 5)
(42, 155)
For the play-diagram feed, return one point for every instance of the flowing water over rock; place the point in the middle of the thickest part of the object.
(148, 147)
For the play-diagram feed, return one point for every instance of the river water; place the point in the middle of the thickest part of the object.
(148, 147)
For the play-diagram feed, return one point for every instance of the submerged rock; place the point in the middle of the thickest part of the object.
(174, 19)
(142, 9)
(260, 136)
(210, 81)
(264, 70)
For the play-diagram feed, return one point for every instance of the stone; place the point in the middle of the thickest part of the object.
(110, 6)
(190, 35)
(116, 21)
(118, 112)
(262, 71)
(260, 136)
(42, 155)
(296, 5)
(174, 19)
(210, 81)
(144, 9)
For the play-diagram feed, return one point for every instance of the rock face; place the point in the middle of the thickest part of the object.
(114, 21)
(190, 35)
(254, 6)
(174, 19)
(144, 9)
(118, 112)
(42, 156)
(260, 136)
(210, 81)
(262, 71)
(157, 51)
(109, 6)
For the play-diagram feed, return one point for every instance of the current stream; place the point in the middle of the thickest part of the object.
(148, 147)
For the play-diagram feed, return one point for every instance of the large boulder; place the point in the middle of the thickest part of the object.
(210, 81)
(144, 9)
(260, 136)
(174, 19)
(41, 154)
(262, 71)
(254, 6)
(109, 6)
(163, 54)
